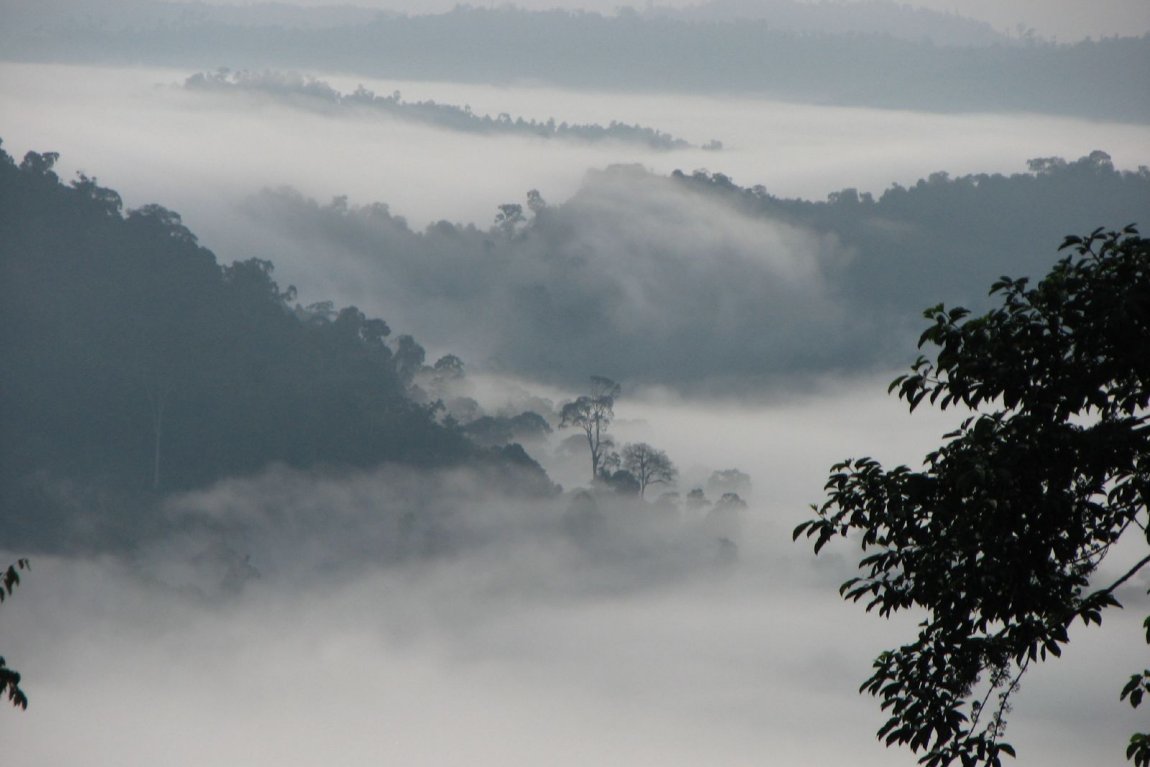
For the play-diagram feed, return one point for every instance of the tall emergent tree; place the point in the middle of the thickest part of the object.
(9, 677)
(1000, 536)
(593, 413)
(648, 465)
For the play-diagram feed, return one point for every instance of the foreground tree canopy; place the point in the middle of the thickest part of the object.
(1000, 537)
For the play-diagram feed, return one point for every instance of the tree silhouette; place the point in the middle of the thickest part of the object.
(9, 677)
(999, 538)
(648, 465)
(593, 413)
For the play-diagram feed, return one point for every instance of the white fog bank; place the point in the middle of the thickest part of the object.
(519, 652)
(200, 155)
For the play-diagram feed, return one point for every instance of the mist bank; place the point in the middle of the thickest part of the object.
(518, 647)
(640, 646)
(202, 155)
(692, 282)
(632, 52)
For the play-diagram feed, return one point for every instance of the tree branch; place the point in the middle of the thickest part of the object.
(1129, 574)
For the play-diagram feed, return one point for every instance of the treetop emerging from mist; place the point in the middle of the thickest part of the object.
(592, 413)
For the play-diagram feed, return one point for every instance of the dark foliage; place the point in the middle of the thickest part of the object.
(504, 430)
(135, 365)
(999, 538)
(9, 677)
(648, 465)
(953, 233)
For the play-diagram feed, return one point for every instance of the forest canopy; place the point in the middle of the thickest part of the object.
(136, 365)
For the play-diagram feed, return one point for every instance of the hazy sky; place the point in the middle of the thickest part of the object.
(1064, 19)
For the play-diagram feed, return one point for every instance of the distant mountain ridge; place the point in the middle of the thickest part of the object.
(1107, 79)
(877, 17)
(831, 17)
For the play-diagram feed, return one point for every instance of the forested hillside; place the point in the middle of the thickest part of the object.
(135, 365)
(695, 282)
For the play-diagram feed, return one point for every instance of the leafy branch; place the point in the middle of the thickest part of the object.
(10, 678)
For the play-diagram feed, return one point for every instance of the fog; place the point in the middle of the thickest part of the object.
(442, 616)
(513, 648)
(224, 161)
(142, 138)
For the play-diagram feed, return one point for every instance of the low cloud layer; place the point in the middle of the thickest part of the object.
(517, 648)
(136, 131)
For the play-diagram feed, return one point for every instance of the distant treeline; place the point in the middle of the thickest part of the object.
(834, 16)
(883, 17)
(950, 237)
(695, 282)
(135, 365)
(1107, 79)
(294, 88)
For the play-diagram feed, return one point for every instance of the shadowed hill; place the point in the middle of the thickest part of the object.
(136, 365)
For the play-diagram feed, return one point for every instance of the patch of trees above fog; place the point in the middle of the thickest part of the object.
(297, 90)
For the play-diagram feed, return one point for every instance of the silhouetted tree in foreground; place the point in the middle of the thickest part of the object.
(999, 538)
(10, 678)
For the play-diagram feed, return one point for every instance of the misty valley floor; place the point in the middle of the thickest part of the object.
(522, 651)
